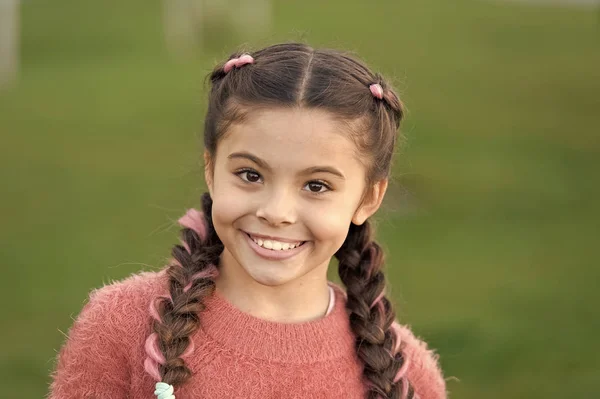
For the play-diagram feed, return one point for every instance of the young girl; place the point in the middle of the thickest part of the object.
(298, 146)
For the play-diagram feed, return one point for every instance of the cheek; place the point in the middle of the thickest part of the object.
(331, 225)
(228, 205)
(227, 208)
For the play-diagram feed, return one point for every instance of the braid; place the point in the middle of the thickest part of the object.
(191, 279)
(372, 317)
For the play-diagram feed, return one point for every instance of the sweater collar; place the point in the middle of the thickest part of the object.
(329, 337)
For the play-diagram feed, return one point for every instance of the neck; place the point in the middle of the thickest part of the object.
(303, 299)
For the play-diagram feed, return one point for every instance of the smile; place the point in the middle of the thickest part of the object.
(274, 244)
(274, 249)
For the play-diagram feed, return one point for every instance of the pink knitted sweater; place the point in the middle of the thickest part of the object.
(236, 355)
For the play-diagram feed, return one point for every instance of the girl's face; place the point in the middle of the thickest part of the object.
(286, 183)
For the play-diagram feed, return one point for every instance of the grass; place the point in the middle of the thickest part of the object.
(491, 228)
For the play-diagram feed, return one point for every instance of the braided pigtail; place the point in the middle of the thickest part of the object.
(176, 314)
(372, 317)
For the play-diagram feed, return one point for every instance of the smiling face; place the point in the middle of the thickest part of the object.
(286, 184)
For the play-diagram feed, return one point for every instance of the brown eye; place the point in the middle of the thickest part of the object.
(316, 187)
(250, 176)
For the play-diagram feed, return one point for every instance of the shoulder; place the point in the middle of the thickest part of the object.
(424, 372)
(121, 307)
(106, 339)
(129, 291)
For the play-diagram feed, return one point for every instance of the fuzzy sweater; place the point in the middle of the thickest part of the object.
(236, 355)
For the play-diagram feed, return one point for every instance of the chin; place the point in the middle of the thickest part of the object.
(269, 281)
(269, 276)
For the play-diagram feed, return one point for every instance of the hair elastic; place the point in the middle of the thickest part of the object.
(376, 90)
(195, 220)
(164, 391)
(238, 62)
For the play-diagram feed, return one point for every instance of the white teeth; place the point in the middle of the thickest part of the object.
(275, 245)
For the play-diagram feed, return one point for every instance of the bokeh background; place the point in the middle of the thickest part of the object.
(491, 225)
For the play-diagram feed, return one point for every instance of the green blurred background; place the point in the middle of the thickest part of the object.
(491, 225)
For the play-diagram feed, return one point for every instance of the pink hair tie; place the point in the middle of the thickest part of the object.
(194, 219)
(376, 90)
(238, 62)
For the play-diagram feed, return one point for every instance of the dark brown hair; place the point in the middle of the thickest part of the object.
(295, 75)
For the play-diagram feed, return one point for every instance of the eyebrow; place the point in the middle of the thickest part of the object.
(253, 158)
(324, 169)
(264, 165)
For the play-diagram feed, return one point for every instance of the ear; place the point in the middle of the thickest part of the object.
(371, 201)
(208, 171)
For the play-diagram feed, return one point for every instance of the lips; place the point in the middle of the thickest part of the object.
(279, 248)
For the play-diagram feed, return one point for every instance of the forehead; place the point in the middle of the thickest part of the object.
(298, 136)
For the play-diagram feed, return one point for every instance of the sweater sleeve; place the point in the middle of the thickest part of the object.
(424, 372)
(93, 362)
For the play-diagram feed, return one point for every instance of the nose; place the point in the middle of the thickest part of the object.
(278, 207)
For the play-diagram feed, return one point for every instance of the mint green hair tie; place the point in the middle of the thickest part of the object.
(164, 391)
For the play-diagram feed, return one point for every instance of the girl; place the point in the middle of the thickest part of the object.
(298, 146)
